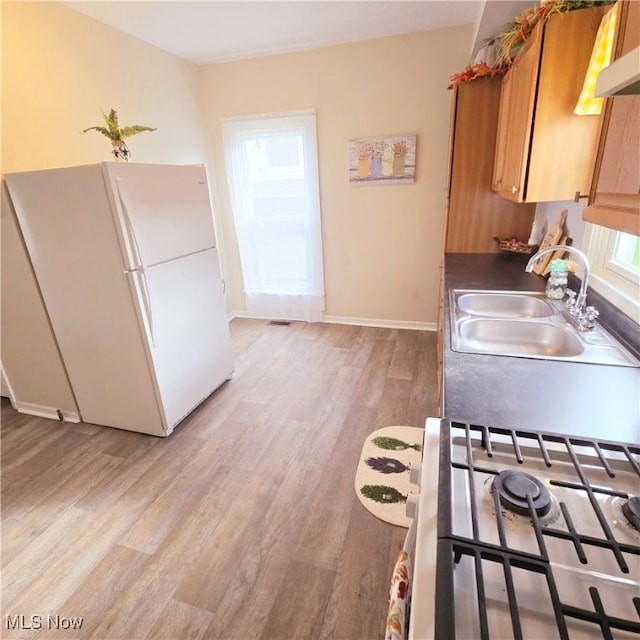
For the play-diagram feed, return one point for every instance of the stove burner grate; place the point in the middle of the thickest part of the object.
(575, 459)
(449, 554)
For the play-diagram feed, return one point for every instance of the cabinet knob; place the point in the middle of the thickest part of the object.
(514, 189)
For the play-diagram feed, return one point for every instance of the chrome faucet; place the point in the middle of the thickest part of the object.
(583, 317)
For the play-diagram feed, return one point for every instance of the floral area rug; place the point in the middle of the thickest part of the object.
(382, 477)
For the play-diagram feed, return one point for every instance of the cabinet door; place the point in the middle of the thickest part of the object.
(563, 143)
(614, 199)
(544, 151)
(516, 119)
(502, 134)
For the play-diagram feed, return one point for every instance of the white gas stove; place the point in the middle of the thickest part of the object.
(535, 536)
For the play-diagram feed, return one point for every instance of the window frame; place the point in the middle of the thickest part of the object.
(615, 282)
(295, 294)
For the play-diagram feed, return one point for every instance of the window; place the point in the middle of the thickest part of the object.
(615, 267)
(272, 171)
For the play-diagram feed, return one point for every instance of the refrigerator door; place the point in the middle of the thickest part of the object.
(164, 211)
(189, 331)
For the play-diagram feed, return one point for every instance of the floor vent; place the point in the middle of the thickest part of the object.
(284, 323)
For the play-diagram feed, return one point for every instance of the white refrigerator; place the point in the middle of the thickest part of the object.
(126, 260)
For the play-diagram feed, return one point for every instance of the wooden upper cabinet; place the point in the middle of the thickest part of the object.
(544, 152)
(515, 118)
(474, 213)
(614, 198)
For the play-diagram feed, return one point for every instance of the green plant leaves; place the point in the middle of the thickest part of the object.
(113, 131)
(383, 494)
(394, 444)
(125, 132)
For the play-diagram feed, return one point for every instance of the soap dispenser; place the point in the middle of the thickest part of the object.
(557, 282)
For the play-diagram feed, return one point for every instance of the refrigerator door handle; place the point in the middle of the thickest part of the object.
(128, 230)
(139, 268)
(146, 301)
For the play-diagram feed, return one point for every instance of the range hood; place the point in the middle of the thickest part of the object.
(621, 77)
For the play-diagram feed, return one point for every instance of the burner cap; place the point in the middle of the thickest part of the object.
(631, 510)
(514, 486)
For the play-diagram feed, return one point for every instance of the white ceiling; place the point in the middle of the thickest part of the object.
(208, 31)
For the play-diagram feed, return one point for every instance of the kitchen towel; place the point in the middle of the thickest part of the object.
(382, 478)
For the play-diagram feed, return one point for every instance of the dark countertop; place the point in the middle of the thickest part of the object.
(573, 398)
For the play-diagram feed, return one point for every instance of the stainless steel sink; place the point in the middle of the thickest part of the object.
(505, 305)
(527, 325)
(523, 338)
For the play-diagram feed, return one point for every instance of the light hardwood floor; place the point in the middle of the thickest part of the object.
(243, 524)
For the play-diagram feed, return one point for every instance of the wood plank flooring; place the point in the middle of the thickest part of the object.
(242, 525)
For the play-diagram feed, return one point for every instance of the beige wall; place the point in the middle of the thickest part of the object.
(381, 244)
(59, 68)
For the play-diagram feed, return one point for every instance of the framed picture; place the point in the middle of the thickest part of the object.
(386, 160)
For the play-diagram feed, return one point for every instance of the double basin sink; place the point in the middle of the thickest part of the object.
(527, 325)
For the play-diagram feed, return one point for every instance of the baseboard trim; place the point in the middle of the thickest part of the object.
(6, 390)
(46, 412)
(384, 324)
(360, 322)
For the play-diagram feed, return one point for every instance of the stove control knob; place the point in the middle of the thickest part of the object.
(411, 507)
(415, 472)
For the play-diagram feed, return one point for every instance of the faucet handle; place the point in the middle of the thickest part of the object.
(570, 303)
(591, 313)
(588, 320)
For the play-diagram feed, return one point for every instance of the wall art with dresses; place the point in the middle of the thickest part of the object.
(385, 160)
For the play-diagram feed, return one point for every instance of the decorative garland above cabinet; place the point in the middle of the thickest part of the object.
(544, 152)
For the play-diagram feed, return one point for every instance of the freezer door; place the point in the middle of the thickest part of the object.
(162, 211)
(189, 331)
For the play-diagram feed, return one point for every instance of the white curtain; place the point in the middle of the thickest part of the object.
(272, 171)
